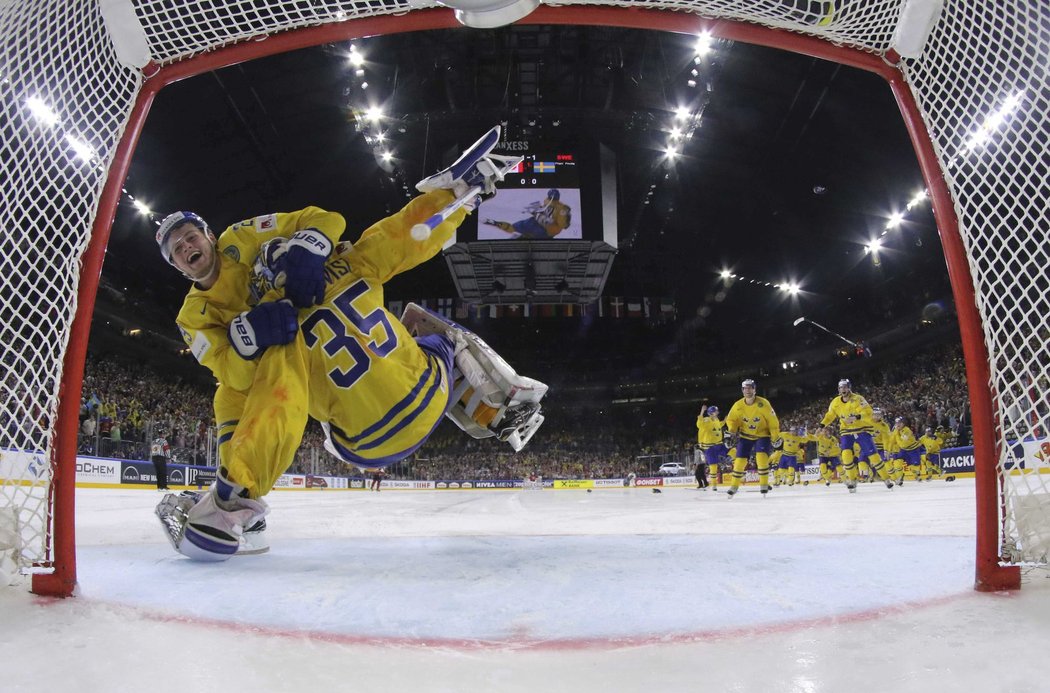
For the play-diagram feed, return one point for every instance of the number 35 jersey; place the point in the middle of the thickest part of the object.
(380, 393)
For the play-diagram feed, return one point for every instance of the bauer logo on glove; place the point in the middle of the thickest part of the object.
(303, 266)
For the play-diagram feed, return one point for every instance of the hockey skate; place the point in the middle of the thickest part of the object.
(477, 167)
(174, 513)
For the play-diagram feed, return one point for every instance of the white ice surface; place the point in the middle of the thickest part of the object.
(810, 589)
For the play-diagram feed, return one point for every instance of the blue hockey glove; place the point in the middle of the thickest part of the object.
(304, 267)
(263, 326)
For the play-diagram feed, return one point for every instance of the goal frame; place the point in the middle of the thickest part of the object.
(989, 574)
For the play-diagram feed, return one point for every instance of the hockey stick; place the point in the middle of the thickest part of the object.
(422, 231)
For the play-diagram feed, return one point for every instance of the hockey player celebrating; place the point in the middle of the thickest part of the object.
(709, 430)
(753, 420)
(855, 425)
(292, 323)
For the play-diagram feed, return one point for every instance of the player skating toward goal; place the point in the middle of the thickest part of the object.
(292, 323)
(856, 423)
(753, 421)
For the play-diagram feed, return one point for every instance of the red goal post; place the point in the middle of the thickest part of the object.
(987, 198)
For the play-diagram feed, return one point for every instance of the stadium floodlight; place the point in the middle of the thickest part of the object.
(490, 14)
(799, 321)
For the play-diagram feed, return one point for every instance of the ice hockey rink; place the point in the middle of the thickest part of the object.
(810, 589)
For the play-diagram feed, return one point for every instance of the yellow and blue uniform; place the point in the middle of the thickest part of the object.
(881, 434)
(931, 461)
(709, 436)
(789, 460)
(828, 452)
(756, 424)
(353, 366)
(909, 450)
(855, 425)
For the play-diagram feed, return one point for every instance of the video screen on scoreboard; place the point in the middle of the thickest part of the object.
(538, 201)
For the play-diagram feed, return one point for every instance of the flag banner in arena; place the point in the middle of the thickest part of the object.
(656, 310)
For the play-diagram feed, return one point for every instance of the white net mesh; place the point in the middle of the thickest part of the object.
(63, 93)
(981, 83)
(983, 86)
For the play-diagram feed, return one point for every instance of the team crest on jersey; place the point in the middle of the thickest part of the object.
(233, 253)
(185, 335)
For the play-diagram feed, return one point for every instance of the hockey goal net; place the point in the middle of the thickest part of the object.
(78, 77)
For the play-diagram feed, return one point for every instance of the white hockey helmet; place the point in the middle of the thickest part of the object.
(747, 383)
(172, 222)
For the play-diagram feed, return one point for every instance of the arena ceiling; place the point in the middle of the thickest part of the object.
(793, 165)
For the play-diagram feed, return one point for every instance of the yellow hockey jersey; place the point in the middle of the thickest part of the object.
(353, 365)
(753, 421)
(904, 439)
(792, 443)
(854, 414)
(827, 446)
(932, 444)
(709, 431)
(882, 435)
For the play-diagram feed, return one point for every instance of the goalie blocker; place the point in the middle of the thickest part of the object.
(489, 398)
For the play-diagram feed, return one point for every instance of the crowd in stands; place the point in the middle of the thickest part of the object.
(125, 404)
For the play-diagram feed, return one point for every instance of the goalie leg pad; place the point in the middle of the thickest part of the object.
(489, 397)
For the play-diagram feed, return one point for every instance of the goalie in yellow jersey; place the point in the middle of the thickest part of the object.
(292, 323)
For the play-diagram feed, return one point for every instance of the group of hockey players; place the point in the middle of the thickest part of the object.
(291, 322)
(863, 448)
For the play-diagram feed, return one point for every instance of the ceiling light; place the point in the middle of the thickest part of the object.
(703, 44)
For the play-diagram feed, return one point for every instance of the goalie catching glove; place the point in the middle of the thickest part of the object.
(489, 398)
(265, 325)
